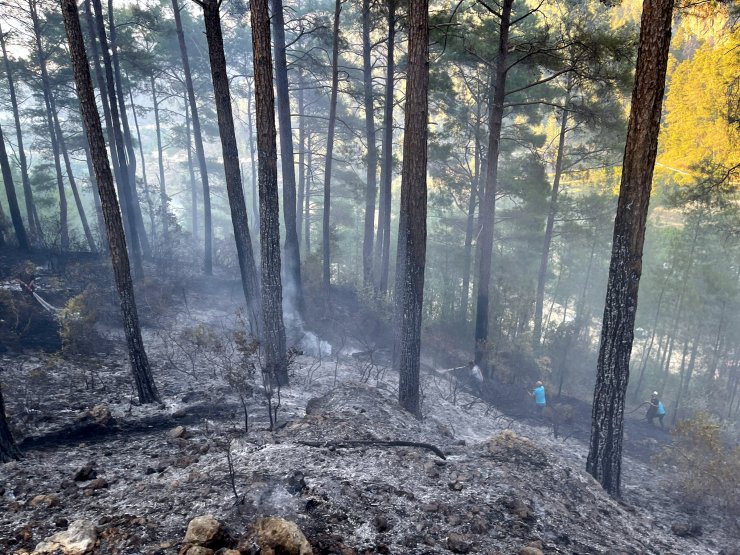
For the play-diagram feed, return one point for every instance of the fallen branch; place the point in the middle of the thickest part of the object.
(360, 443)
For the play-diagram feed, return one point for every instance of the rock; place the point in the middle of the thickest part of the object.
(225, 551)
(98, 483)
(47, 501)
(479, 526)
(432, 507)
(381, 523)
(180, 413)
(277, 536)
(198, 550)
(296, 482)
(528, 550)
(687, 529)
(78, 539)
(519, 508)
(100, 415)
(204, 531)
(85, 473)
(177, 432)
(457, 543)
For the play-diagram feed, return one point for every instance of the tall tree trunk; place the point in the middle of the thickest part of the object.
(123, 176)
(46, 86)
(372, 150)
(382, 244)
(94, 189)
(143, 378)
(412, 228)
(102, 87)
(191, 172)
(34, 224)
(8, 449)
(15, 211)
(272, 303)
(292, 256)
(549, 227)
(309, 187)
(198, 138)
(3, 224)
(232, 171)
(252, 155)
(646, 353)
(682, 379)
(127, 137)
(163, 199)
(147, 192)
(470, 224)
(301, 157)
(488, 209)
(71, 177)
(607, 424)
(326, 229)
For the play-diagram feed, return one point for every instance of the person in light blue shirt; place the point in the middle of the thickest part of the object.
(540, 400)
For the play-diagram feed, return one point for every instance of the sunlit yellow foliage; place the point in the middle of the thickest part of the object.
(697, 125)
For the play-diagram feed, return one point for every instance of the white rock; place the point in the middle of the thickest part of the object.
(78, 539)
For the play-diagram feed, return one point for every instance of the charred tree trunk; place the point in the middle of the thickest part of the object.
(301, 158)
(127, 137)
(326, 229)
(607, 426)
(71, 178)
(198, 138)
(382, 244)
(15, 211)
(412, 228)
(125, 187)
(272, 302)
(163, 199)
(232, 171)
(34, 224)
(292, 261)
(8, 449)
(191, 173)
(146, 389)
(252, 156)
(46, 89)
(372, 150)
(488, 208)
(549, 227)
(94, 188)
(147, 192)
(309, 187)
(470, 225)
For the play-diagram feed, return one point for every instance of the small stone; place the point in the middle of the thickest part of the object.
(381, 523)
(457, 543)
(177, 432)
(687, 529)
(530, 551)
(431, 469)
(296, 482)
(199, 550)
(204, 531)
(478, 526)
(78, 539)
(47, 501)
(100, 415)
(432, 507)
(85, 473)
(225, 551)
(180, 413)
(277, 536)
(98, 483)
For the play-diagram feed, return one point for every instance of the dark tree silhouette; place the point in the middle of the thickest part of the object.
(607, 420)
(272, 302)
(143, 378)
(198, 138)
(15, 211)
(8, 449)
(372, 150)
(412, 227)
(250, 282)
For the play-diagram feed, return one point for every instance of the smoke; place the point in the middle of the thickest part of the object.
(295, 331)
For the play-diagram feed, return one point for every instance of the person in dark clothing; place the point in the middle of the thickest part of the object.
(656, 408)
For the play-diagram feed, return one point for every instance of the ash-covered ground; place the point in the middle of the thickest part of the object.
(141, 473)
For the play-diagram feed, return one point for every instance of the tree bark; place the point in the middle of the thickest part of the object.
(309, 186)
(470, 224)
(272, 302)
(34, 224)
(123, 175)
(8, 449)
(412, 229)
(147, 193)
(549, 227)
(382, 244)
(163, 199)
(326, 229)
(372, 150)
(301, 157)
(127, 137)
(198, 138)
(488, 209)
(191, 172)
(607, 424)
(15, 211)
(143, 378)
(232, 171)
(292, 256)
(46, 89)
